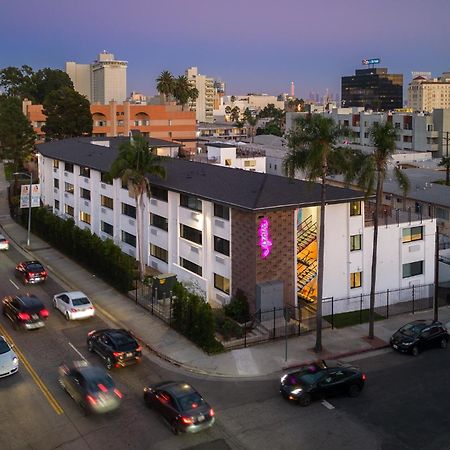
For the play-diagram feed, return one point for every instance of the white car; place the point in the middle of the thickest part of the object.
(9, 363)
(4, 243)
(74, 305)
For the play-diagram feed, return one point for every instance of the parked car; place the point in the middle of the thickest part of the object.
(90, 386)
(9, 363)
(74, 305)
(419, 335)
(31, 272)
(25, 311)
(117, 347)
(4, 243)
(180, 405)
(321, 379)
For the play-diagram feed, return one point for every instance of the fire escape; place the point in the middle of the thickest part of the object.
(307, 259)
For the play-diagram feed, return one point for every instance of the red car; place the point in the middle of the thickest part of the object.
(31, 272)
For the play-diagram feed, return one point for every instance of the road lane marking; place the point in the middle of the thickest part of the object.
(327, 405)
(40, 384)
(77, 351)
(14, 284)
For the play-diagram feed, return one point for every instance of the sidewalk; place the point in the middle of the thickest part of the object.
(263, 359)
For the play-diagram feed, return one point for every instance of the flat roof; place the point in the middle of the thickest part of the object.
(233, 187)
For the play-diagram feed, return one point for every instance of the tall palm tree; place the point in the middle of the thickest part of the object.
(235, 114)
(313, 148)
(165, 84)
(184, 91)
(251, 121)
(445, 162)
(134, 163)
(370, 173)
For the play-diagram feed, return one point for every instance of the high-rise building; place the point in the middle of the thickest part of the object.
(102, 81)
(374, 89)
(429, 94)
(204, 104)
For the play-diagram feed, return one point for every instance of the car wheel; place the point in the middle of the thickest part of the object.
(415, 351)
(354, 390)
(304, 400)
(174, 427)
(443, 343)
(67, 315)
(90, 346)
(109, 363)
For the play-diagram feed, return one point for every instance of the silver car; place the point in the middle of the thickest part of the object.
(9, 363)
(4, 243)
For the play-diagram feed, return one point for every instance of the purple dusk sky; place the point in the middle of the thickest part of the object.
(252, 45)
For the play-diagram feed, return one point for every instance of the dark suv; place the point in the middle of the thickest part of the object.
(31, 272)
(25, 311)
(117, 347)
(419, 335)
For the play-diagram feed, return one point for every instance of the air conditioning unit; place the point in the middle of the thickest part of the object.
(66, 174)
(55, 190)
(154, 202)
(131, 252)
(220, 260)
(86, 180)
(103, 210)
(55, 169)
(131, 222)
(86, 203)
(154, 232)
(194, 249)
(103, 185)
(154, 265)
(414, 248)
(222, 299)
(66, 195)
(219, 223)
(195, 216)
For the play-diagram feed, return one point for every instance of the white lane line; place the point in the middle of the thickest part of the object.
(14, 284)
(77, 352)
(327, 405)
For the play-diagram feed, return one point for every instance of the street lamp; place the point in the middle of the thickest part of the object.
(29, 202)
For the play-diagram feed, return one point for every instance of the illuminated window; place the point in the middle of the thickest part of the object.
(228, 162)
(355, 280)
(55, 164)
(85, 217)
(412, 234)
(107, 202)
(222, 283)
(68, 187)
(355, 208)
(355, 242)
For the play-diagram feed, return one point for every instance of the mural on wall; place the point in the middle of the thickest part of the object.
(264, 237)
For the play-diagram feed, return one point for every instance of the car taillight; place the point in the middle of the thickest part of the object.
(91, 399)
(73, 310)
(117, 354)
(118, 393)
(102, 387)
(44, 273)
(363, 376)
(91, 333)
(43, 313)
(186, 420)
(211, 412)
(139, 349)
(24, 316)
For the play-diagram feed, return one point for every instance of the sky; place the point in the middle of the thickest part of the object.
(251, 45)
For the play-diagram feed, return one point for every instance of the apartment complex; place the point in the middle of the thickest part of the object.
(429, 94)
(204, 104)
(102, 81)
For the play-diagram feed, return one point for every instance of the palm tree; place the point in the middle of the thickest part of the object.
(313, 149)
(370, 171)
(184, 91)
(445, 162)
(165, 84)
(134, 163)
(251, 122)
(235, 113)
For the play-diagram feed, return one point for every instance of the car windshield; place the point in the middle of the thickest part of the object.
(4, 347)
(80, 301)
(35, 267)
(190, 401)
(412, 329)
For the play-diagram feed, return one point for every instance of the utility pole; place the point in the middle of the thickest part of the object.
(436, 275)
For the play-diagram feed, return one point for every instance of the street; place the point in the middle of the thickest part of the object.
(402, 407)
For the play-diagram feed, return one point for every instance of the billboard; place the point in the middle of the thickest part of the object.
(367, 62)
(25, 195)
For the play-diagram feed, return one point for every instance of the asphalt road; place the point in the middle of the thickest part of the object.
(404, 405)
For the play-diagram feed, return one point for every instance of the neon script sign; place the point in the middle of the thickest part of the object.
(264, 239)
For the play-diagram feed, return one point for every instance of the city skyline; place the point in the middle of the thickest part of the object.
(251, 49)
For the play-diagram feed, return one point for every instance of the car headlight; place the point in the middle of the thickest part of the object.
(297, 391)
(283, 378)
(407, 343)
(15, 361)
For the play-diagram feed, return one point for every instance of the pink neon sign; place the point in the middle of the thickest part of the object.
(264, 239)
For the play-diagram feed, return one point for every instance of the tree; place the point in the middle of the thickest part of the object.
(370, 171)
(165, 84)
(235, 114)
(270, 128)
(68, 114)
(251, 122)
(445, 162)
(313, 149)
(183, 91)
(16, 133)
(15, 81)
(134, 163)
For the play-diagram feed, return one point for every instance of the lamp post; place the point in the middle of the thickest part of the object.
(30, 175)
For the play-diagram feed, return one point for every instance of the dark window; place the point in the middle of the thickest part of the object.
(412, 234)
(85, 193)
(107, 202)
(68, 187)
(222, 245)
(128, 238)
(69, 210)
(442, 213)
(56, 183)
(191, 234)
(355, 242)
(412, 269)
(355, 208)
(105, 177)
(222, 283)
(221, 211)
(107, 228)
(57, 204)
(159, 253)
(188, 201)
(68, 167)
(55, 164)
(129, 210)
(192, 267)
(159, 222)
(85, 172)
(159, 193)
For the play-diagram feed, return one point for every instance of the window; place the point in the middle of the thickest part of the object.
(192, 267)
(68, 210)
(191, 234)
(85, 217)
(159, 222)
(222, 245)
(57, 205)
(228, 162)
(355, 242)
(107, 202)
(55, 164)
(221, 211)
(68, 187)
(56, 183)
(412, 269)
(222, 283)
(250, 163)
(355, 280)
(159, 193)
(412, 234)
(106, 178)
(355, 208)
(187, 201)
(68, 167)
(107, 228)
(128, 210)
(442, 213)
(159, 253)
(128, 238)
(85, 193)
(85, 172)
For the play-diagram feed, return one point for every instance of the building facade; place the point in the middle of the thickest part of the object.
(429, 94)
(204, 104)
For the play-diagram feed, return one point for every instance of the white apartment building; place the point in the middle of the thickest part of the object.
(80, 74)
(429, 94)
(204, 104)
(227, 229)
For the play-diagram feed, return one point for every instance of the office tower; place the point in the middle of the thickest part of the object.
(80, 74)
(204, 104)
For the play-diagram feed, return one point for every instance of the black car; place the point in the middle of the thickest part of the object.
(180, 405)
(321, 379)
(117, 347)
(90, 386)
(25, 311)
(419, 335)
(31, 272)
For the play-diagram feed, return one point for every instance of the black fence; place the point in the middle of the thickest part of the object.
(147, 297)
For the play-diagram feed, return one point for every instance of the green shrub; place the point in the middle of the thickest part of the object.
(238, 308)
